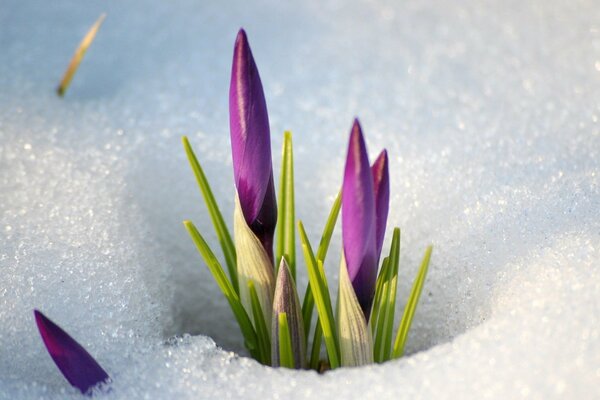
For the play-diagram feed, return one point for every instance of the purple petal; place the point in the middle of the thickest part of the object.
(358, 220)
(381, 185)
(75, 363)
(251, 144)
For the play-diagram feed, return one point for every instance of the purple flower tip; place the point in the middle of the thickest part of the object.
(75, 363)
(359, 220)
(381, 185)
(251, 144)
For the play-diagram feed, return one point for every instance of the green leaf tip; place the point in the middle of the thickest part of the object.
(214, 212)
(286, 230)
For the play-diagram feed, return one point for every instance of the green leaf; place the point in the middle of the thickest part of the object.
(215, 214)
(320, 292)
(329, 227)
(264, 341)
(385, 320)
(315, 353)
(411, 305)
(232, 297)
(286, 231)
(378, 295)
(308, 303)
(286, 355)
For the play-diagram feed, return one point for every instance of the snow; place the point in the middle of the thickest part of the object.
(489, 111)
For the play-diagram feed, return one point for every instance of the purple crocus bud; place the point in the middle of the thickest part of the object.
(75, 363)
(359, 220)
(381, 186)
(251, 145)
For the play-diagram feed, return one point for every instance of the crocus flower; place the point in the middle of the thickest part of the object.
(255, 215)
(365, 202)
(365, 197)
(285, 300)
(75, 363)
(251, 145)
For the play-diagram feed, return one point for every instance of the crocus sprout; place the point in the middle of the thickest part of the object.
(73, 361)
(286, 301)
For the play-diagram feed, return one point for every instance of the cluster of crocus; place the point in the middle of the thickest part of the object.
(260, 285)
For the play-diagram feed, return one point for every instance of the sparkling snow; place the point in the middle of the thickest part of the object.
(490, 113)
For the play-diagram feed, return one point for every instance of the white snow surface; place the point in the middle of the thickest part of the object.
(489, 111)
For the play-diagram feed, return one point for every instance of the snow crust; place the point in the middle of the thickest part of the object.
(489, 111)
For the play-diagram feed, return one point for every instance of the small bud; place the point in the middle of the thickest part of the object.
(286, 301)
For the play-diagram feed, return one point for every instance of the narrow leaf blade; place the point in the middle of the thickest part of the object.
(378, 295)
(411, 306)
(286, 233)
(390, 309)
(215, 214)
(232, 297)
(322, 300)
(315, 352)
(308, 304)
(264, 342)
(385, 320)
(286, 355)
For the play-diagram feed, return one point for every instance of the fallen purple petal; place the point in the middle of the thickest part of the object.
(75, 363)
